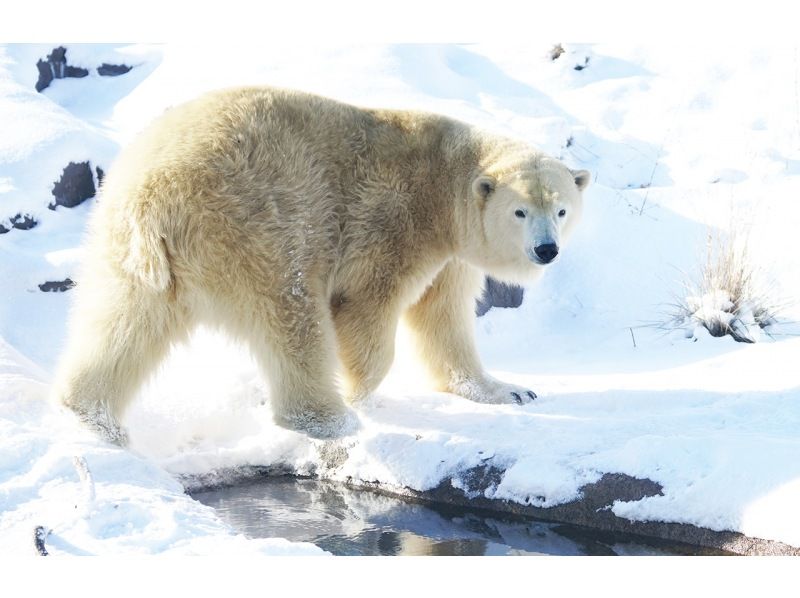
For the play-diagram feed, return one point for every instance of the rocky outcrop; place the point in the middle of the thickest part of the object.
(112, 70)
(56, 67)
(57, 286)
(75, 186)
(20, 221)
(591, 510)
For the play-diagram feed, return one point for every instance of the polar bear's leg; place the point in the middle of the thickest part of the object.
(443, 324)
(292, 338)
(365, 330)
(119, 333)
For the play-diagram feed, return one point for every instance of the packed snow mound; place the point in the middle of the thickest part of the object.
(89, 497)
(679, 142)
(698, 434)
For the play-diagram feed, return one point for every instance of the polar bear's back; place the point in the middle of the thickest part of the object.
(276, 180)
(251, 169)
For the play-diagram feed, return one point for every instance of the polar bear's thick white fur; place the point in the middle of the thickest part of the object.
(307, 227)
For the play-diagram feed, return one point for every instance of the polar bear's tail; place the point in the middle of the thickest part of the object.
(147, 256)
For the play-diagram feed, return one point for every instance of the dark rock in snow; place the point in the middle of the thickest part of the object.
(100, 175)
(40, 534)
(56, 67)
(580, 67)
(112, 70)
(593, 510)
(498, 294)
(481, 478)
(21, 222)
(57, 286)
(75, 186)
(45, 75)
(75, 71)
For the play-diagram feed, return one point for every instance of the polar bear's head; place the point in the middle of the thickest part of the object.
(528, 210)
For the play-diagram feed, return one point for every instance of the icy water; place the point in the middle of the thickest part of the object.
(347, 521)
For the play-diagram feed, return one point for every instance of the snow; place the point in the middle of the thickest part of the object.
(94, 498)
(681, 141)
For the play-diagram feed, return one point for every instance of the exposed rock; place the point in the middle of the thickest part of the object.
(40, 534)
(580, 67)
(592, 510)
(498, 294)
(480, 479)
(57, 286)
(100, 175)
(223, 478)
(21, 222)
(56, 67)
(45, 75)
(112, 70)
(75, 186)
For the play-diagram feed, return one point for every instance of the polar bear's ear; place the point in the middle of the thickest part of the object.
(582, 178)
(483, 186)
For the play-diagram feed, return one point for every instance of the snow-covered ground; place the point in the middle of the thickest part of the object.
(681, 141)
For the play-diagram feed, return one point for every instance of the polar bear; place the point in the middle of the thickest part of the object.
(308, 228)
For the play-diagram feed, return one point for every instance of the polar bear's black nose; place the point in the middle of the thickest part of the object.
(546, 252)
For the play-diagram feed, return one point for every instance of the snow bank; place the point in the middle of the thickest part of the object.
(126, 503)
(725, 455)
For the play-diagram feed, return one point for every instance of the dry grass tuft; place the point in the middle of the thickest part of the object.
(729, 298)
(556, 51)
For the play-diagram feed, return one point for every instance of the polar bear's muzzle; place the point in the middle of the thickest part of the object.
(543, 254)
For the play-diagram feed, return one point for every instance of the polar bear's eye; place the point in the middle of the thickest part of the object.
(519, 214)
(562, 213)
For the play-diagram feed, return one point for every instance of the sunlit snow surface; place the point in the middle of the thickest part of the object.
(680, 141)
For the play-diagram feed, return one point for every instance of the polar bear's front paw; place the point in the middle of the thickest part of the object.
(500, 392)
(518, 396)
(489, 390)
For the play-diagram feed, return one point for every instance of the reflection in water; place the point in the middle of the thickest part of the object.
(346, 521)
